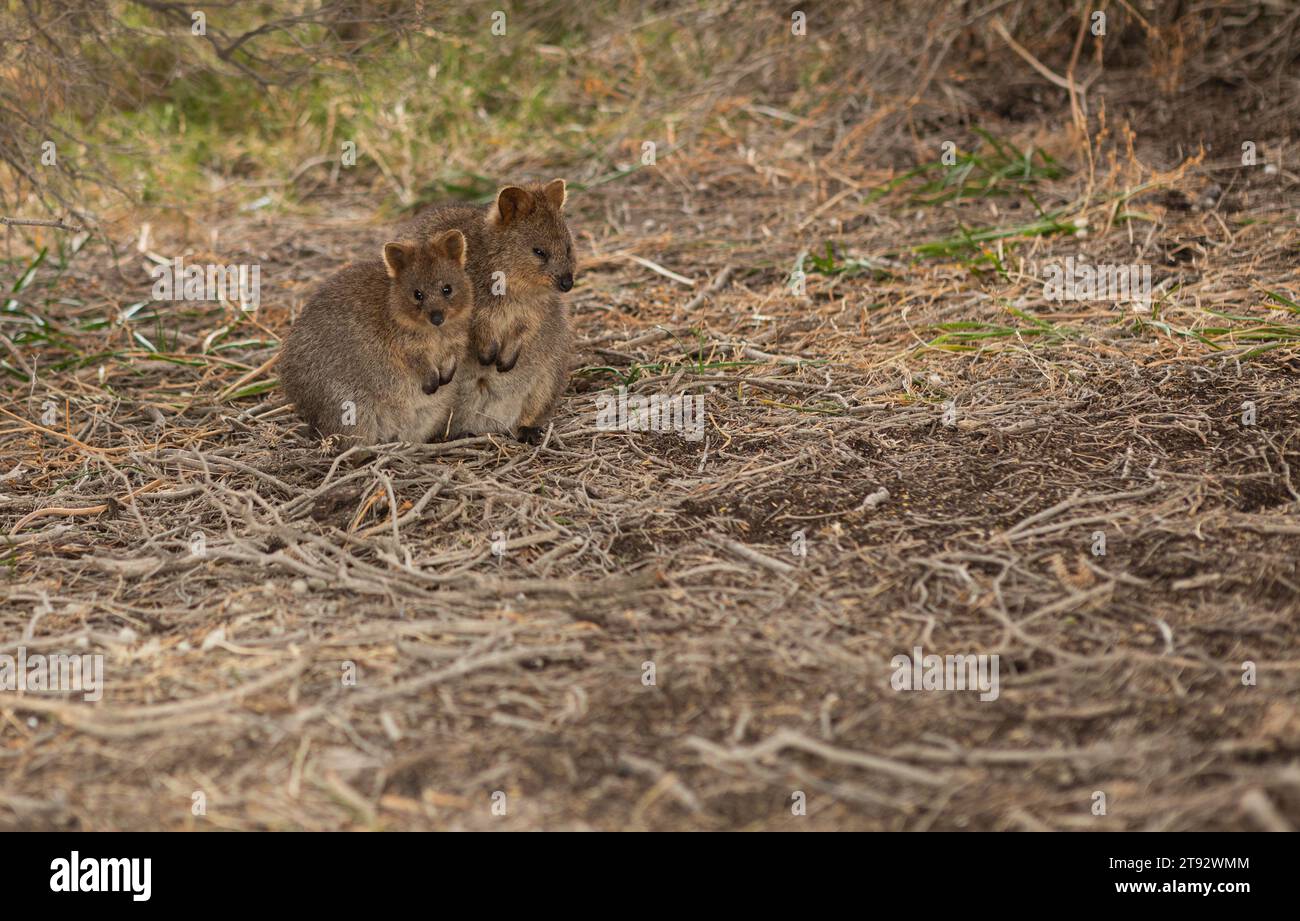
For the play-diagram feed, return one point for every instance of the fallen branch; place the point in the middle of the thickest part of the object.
(36, 222)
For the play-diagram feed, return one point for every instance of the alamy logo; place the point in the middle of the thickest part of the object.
(83, 673)
(920, 672)
(103, 874)
(176, 281)
(656, 413)
(1083, 282)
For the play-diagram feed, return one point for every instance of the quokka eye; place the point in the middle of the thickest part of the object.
(446, 290)
(540, 254)
(419, 295)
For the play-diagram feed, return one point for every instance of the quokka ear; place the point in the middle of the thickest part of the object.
(555, 193)
(398, 256)
(452, 245)
(512, 204)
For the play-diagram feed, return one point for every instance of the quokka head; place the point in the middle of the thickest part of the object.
(533, 243)
(427, 279)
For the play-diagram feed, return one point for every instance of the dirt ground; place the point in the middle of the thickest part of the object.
(410, 640)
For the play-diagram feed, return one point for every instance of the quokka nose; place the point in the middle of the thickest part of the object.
(435, 317)
(565, 281)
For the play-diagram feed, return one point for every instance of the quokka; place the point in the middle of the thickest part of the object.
(521, 260)
(377, 345)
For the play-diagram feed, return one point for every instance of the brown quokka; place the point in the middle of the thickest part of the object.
(377, 345)
(520, 259)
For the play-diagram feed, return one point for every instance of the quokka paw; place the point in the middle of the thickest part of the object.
(439, 378)
(488, 355)
(505, 363)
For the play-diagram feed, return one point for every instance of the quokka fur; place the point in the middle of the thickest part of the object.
(520, 259)
(377, 347)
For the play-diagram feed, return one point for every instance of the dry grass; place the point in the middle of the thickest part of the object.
(521, 671)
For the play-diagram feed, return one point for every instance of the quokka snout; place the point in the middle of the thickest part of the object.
(371, 356)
